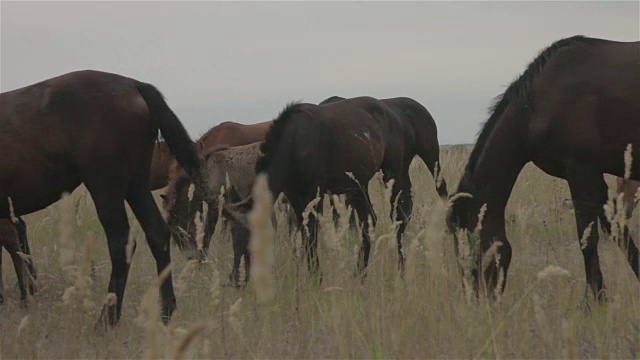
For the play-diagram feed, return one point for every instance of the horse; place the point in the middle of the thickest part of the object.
(572, 112)
(232, 168)
(336, 148)
(223, 135)
(628, 188)
(416, 117)
(235, 165)
(99, 129)
(13, 237)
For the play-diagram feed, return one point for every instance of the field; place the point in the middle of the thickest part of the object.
(542, 315)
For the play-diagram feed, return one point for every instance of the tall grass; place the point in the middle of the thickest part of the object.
(542, 314)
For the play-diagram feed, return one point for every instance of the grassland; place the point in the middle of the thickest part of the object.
(426, 316)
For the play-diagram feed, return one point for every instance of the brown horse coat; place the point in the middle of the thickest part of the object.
(572, 113)
(98, 129)
(336, 148)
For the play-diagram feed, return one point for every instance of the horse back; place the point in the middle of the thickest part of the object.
(54, 131)
(587, 100)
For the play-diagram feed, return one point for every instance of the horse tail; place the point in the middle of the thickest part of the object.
(172, 130)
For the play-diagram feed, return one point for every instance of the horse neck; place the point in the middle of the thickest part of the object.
(503, 156)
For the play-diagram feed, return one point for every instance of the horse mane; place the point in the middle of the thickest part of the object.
(274, 134)
(518, 91)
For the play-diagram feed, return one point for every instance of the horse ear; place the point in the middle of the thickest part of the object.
(163, 196)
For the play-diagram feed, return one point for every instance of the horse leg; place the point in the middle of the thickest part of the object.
(627, 245)
(309, 234)
(113, 217)
(209, 228)
(361, 205)
(589, 194)
(403, 213)
(21, 229)
(21, 270)
(158, 239)
(240, 241)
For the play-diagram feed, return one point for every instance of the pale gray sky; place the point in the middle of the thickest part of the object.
(243, 61)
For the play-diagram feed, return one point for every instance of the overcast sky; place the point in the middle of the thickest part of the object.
(243, 61)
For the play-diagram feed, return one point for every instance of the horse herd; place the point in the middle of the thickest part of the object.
(574, 112)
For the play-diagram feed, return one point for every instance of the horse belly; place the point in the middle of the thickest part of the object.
(32, 189)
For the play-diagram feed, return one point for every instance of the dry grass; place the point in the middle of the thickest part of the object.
(427, 316)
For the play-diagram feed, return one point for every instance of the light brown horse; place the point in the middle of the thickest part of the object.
(226, 134)
(235, 164)
(572, 112)
(13, 237)
(99, 129)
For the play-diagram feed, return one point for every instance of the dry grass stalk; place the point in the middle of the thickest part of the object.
(261, 242)
(628, 159)
(584, 240)
(310, 209)
(552, 271)
(234, 320)
(188, 339)
(149, 318)
(131, 246)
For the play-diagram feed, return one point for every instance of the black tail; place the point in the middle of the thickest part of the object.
(172, 130)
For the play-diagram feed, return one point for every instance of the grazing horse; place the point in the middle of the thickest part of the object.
(223, 135)
(235, 164)
(98, 129)
(417, 118)
(337, 148)
(572, 113)
(13, 237)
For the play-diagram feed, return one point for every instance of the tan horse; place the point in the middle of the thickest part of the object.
(227, 134)
(235, 165)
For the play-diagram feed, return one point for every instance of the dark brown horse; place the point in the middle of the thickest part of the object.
(417, 119)
(572, 113)
(98, 129)
(226, 134)
(13, 237)
(337, 148)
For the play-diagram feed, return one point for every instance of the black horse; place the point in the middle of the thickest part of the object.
(337, 148)
(572, 112)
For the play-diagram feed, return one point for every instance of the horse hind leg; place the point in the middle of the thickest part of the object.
(24, 282)
(108, 198)
(589, 194)
(21, 228)
(361, 205)
(626, 244)
(158, 236)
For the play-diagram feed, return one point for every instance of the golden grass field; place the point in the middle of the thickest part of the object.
(425, 316)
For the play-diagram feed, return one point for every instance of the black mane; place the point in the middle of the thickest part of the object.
(519, 91)
(273, 135)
